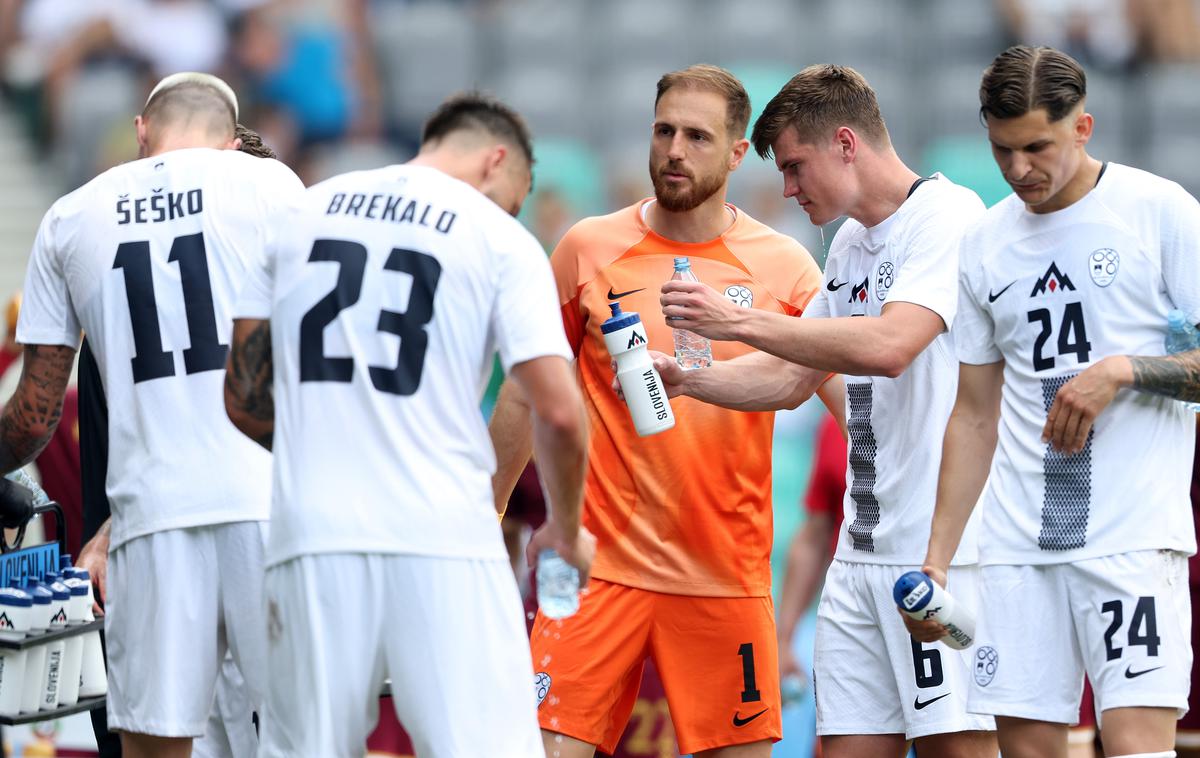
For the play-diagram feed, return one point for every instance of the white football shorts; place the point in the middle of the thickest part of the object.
(1124, 620)
(870, 676)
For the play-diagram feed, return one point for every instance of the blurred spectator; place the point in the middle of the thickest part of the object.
(551, 215)
(1109, 34)
(310, 70)
(1095, 32)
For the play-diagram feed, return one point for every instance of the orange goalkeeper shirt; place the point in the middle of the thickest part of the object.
(687, 511)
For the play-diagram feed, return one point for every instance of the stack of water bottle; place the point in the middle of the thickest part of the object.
(41, 669)
(625, 337)
(40, 675)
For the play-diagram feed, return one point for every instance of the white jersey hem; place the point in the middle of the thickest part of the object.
(358, 547)
(1050, 558)
(120, 536)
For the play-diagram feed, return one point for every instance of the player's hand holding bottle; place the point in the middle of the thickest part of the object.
(930, 630)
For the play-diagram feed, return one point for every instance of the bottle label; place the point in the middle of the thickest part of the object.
(914, 598)
(52, 678)
(656, 395)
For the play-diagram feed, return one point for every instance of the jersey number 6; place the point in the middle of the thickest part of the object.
(409, 326)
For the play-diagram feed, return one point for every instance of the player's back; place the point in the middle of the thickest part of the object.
(390, 292)
(153, 254)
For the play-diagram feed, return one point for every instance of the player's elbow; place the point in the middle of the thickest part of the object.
(561, 417)
(891, 362)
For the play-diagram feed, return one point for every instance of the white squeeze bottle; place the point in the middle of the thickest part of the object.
(625, 337)
(925, 600)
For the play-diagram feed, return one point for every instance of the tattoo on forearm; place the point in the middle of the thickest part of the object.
(35, 408)
(250, 380)
(1176, 376)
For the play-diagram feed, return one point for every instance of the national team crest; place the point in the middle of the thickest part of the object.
(885, 275)
(541, 681)
(1103, 265)
(986, 662)
(741, 296)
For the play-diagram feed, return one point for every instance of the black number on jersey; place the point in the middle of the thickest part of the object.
(150, 361)
(750, 693)
(1072, 336)
(405, 377)
(927, 665)
(1143, 617)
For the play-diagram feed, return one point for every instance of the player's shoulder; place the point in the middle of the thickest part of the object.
(941, 201)
(608, 235)
(748, 233)
(1123, 184)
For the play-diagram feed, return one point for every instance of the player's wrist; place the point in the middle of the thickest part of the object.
(1119, 370)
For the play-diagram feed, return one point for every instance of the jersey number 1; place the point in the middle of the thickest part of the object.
(150, 360)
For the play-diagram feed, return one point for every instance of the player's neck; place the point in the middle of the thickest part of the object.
(884, 183)
(183, 141)
(1085, 178)
(703, 223)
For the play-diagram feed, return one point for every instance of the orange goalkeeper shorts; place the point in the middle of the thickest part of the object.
(717, 658)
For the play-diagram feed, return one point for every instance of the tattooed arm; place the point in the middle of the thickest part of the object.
(33, 411)
(249, 373)
(1084, 397)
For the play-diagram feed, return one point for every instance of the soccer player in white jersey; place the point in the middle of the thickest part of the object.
(882, 320)
(145, 258)
(360, 353)
(1064, 389)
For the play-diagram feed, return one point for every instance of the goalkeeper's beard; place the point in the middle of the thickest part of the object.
(691, 195)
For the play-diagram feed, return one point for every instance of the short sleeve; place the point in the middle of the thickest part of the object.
(1180, 251)
(283, 195)
(564, 261)
(974, 332)
(818, 307)
(47, 313)
(257, 294)
(929, 275)
(525, 317)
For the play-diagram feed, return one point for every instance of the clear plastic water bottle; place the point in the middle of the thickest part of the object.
(22, 477)
(691, 350)
(557, 586)
(1181, 337)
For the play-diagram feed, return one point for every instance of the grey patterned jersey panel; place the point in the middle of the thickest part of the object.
(863, 450)
(1068, 497)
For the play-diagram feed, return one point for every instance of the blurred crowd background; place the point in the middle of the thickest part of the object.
(335, 85)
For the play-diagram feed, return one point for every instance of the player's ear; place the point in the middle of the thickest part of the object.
(139, 124)
(846, 143)
(1084, 124)
(236, 144)
(738, 153)
(494, 159)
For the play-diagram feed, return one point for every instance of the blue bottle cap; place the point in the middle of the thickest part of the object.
(60, 590)
(682, 264)
(15, 597)
(905, 586)
(82, 575)
(41, 594)
(619, 319)
(64, 562)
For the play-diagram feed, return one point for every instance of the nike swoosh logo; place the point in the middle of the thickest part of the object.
(834, 285)
(739, 721)
(1129, 674)
(992, 297)
(919, 705)
(618, 295)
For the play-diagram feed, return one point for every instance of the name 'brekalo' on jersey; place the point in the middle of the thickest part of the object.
(896, 425)
(147, 260)
(1051, 295)
(389, 292)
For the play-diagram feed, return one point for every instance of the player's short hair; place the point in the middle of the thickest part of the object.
(252, 143)
(188, 94)
(816, 102)
(703, 76)
(1022, 79)
(475, 111)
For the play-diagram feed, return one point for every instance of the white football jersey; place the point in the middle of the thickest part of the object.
(1050, 295)
(389, 292)
(896, 425)
(147, 260)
